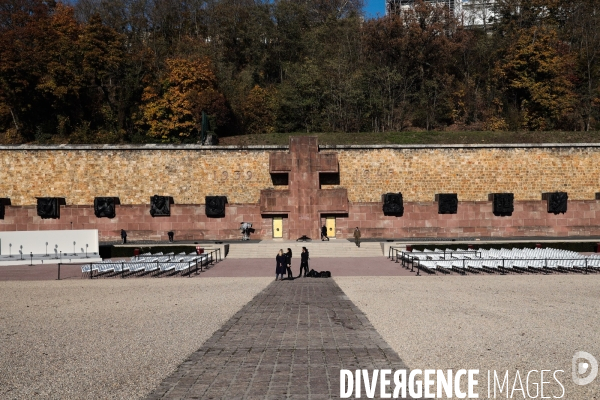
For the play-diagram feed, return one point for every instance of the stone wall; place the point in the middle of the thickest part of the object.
(473, 219)
(189, 173)
(134, 174)
(471, 172)
(189, 222)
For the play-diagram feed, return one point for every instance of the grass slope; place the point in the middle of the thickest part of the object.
(432, 137)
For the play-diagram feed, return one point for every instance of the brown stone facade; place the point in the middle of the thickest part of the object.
(304, 202)
(189, 222)
(473, 219)
(245, 176)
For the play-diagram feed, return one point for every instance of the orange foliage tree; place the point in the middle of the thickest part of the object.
(534, 74)
(258, 111)
(173, 111)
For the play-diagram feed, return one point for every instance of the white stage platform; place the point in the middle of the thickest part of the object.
(49, 246)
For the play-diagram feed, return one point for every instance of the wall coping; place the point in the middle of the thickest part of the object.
(459, 146)
(177, 147)
(140, 147)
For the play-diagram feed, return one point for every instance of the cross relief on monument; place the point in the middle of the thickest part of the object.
(304, 202)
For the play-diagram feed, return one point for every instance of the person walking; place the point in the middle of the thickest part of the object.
(280, 262)
(324, 233)
(357, 236)
(288, 264)
(123, 236)
(303, 262)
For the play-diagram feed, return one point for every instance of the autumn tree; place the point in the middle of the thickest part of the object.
(259, 111)
(55, 74)
(582, 30)
(534, 73)
(138, 71)
(24, 32)
(172, 111)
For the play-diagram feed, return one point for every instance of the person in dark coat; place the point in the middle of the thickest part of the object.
(288, 263)
(281, 262)
(324, 233)
(357, 237)
(303, 262)
(124, 236)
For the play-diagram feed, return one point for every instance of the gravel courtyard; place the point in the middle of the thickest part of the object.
(108, 339)
(487, 323)
(118, 339)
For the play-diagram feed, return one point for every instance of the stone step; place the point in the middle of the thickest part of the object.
(316, 249)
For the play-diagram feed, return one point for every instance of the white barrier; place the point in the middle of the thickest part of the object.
(54, 242)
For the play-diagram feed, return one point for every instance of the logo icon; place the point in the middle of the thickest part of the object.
(584, 363)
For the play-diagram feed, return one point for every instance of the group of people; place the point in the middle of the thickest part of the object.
(284, 264)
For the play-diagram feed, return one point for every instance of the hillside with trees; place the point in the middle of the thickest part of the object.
(137, 71)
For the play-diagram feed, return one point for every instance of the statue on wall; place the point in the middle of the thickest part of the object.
(393, 204)
(557, 202)
(48, 207)
(104, 207)
(160, 206)
(447, 203)
(215, 206)
(503, 204)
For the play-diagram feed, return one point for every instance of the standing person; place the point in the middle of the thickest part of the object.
(280, 261)
(324, 233)
(124, 236)
(288, 264)
(303, 262)
(357, 236)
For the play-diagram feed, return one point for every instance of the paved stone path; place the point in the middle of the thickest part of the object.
(290, 341)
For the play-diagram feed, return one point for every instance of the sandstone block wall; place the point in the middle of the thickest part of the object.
(188, 173)
(132, 174)
(472, 173)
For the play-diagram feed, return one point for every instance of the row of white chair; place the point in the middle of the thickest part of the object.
(518, 260)
(149, 263)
